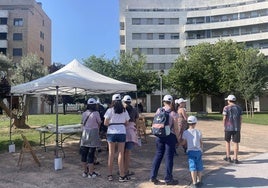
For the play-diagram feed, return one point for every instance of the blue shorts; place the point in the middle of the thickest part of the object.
(116, 137)
(129, 145)
(195, 161)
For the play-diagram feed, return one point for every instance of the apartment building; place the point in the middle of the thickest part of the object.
(163, 29)
(24, 28)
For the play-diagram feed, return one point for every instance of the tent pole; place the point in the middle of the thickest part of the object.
(57, 122)
(10, 119)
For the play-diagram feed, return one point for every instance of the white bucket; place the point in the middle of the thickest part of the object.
(58, 163)
(139, 142)
(11, 148)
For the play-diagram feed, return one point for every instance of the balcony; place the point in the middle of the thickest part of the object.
(3, 43)
(3, 29)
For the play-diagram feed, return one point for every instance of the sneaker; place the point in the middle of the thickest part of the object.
(199, 184)
(84, 174)
(172, 182)
(110, 178)
(228, 159)
(154, 180)
(123, 179)
(236, 161)
(193, 186)
(93, 175)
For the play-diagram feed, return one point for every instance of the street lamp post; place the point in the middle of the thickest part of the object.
(160, 74)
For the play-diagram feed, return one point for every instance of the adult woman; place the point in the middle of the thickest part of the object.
(116, 118)
(131, 132)
(166, 145)
(182, 118)
(90, 138)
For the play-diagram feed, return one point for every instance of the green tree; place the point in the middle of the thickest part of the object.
(251, 75)
(129, 68)
(101, 65)
(195, 73)
(29, 69)
(218, 69)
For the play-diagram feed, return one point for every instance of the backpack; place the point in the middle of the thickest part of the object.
(160, 125)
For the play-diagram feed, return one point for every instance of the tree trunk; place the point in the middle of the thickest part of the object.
(18, 121)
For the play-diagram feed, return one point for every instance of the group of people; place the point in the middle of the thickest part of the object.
(183, 132)
(121, 118)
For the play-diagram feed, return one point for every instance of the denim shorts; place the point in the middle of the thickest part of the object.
(129, 145)
(116, 137)
(195, 161)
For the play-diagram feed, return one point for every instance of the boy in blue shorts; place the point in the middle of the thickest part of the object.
(193, 138)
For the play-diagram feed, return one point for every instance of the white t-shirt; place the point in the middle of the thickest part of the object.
(193, 137)
(117, 121)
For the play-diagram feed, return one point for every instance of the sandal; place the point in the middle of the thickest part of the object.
(110, 178)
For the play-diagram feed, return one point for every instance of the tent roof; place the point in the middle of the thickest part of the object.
(73, 78)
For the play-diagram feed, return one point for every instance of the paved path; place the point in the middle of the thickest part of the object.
(252, 172)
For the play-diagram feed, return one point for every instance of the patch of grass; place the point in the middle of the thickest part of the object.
(257, 118)
(31, 134)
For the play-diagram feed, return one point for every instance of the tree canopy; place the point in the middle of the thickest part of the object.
(129, 68)
(28, 69)
(220, 68)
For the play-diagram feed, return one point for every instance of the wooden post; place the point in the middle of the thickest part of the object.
(26, 147)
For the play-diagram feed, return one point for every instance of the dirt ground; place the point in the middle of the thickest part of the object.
(32, 176)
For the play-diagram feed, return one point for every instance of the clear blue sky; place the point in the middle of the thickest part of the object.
(82, 28)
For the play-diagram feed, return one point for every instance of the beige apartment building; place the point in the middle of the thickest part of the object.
(163, 29)
(24, 28)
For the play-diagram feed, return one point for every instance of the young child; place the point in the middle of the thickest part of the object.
(193, 138)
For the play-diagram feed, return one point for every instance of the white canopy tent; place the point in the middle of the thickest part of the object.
(73, 78)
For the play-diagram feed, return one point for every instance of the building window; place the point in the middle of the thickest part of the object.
(149, 36)
(17, 51)
(150, 66)
(136, 36)
(175, 51)
(174, 36)
(3, 21)
(162, 51)
(17, 36)
(150, 51)
(42, 48)
(136, 50)
(42, 61)
(18, 22)
(136, 21)
(122, 26)
(161, 36)
(3, 51)
(162, 66)
(174, 21)
(42, 35)
(3, 36)
(122, 39)
(161, 21)
(149, 21)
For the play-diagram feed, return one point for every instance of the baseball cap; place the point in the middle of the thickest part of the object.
(230, 98)
(116, 97)
(126, 98)
(180, 100)
(192, 120)
(168, 98)
(91, 101)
